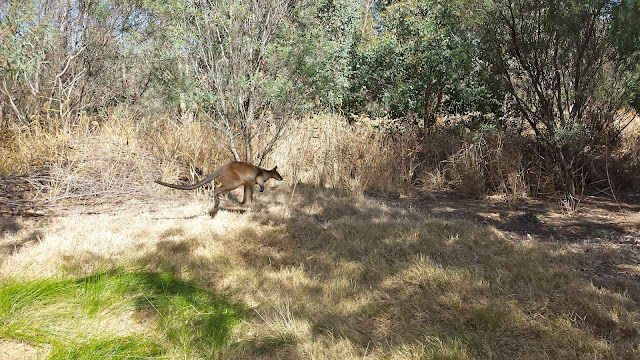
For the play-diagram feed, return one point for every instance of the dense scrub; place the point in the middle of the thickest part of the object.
(474, 101)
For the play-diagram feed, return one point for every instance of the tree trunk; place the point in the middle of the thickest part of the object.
(232, 147)
(428, 113)
(569, 181)
(183, 108)
(248, 152)
(438, 108)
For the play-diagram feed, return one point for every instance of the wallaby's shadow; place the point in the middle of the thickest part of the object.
(237, 209)
(9, 225)
(177, 217)
(234, 204)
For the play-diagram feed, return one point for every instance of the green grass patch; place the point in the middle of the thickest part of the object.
(529, 217)
(117, 314)
(602, 234)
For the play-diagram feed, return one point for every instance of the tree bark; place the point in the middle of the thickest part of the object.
(428, 114)
(569, 181)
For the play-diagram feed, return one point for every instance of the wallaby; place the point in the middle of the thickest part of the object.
(231, 175)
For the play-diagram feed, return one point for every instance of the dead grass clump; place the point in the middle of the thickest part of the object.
(188, 150)
(490, 162)
(626, 173)
(114, 158)
(466, 170)
(95, 162)
(329, 152)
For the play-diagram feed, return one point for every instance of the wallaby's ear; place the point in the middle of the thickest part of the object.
(274, 168)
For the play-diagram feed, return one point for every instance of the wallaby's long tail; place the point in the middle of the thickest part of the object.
(208, 179)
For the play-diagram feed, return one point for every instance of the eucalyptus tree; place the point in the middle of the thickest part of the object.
(27, 40)
(249, 66)
(61, 58)
(559, 65)
(625, 38)
(418, 58)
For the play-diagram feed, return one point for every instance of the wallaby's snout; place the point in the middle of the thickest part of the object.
(275, 174)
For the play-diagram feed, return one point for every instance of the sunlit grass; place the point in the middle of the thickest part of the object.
(109, 315)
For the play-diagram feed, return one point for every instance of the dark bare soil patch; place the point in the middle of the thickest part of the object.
(598, 217)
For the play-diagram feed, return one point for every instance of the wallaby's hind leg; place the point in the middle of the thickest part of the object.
(248, 194)
(221, 190)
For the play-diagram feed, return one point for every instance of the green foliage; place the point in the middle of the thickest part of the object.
(418, 60)
(625, 32)
(558, 63)
(552, 57)
(118, 347)
(247, 67)
(529, 217)
(321, 47)
(67, 315)
(304, 60)
(25, 40)
(603, 234)
(625, 36)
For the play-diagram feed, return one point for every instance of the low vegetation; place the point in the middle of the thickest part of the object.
(470, 96)
(306, 273)
(113, 159)
(116, 313)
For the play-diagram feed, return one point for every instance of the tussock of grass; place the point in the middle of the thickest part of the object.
(330, 275)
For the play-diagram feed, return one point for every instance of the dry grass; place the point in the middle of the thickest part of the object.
(328, 274)
(629, 154)
(491, 164)
(109, 160)
(329, 152)
(99, 161)
(86, 164)
(103, 161)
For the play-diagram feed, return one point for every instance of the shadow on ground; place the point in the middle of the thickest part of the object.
(9, 224)
(382, 278)
(548, 220)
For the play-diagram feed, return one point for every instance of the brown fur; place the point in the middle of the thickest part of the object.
(231, 176)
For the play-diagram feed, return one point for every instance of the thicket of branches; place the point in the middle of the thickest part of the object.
(562, 74)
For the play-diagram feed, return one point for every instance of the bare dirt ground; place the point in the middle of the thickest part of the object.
(614, 222)
(601, 222)
(598, 219)
(10, 350)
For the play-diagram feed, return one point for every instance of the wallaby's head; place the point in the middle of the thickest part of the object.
(274, 174)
